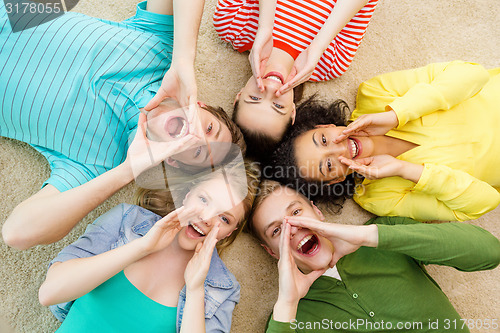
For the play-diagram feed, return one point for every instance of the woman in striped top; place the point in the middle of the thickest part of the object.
(290, 42)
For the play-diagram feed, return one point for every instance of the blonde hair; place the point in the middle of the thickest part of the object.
(161, 201)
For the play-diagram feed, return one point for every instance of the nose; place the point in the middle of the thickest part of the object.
(271, 87)
(293, 230)
(337, 149)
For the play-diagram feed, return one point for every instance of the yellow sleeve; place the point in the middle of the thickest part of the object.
(418, 92)
(442, 193)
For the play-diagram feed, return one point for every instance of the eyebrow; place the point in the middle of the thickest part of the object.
(220, 129)
(272, 106)
(320, 161)
(291, 204)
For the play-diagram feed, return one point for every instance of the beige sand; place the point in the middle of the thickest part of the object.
(400, 36)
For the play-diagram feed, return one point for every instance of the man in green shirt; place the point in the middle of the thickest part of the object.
(369, 278)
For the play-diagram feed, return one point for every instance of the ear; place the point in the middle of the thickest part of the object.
(317, 211)
(170, 161)
(237, 98)
(336, 180)
(185, 198)
(201, 104)
(294, 113)
(325, 126)
(271, 252)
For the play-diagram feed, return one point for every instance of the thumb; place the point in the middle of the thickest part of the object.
(198, 248)
(156, 100)
(287, 86)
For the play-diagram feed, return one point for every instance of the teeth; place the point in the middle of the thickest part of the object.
(354, 148)
(184, 129)
(274, 78)
(302, 242)
(197, 229)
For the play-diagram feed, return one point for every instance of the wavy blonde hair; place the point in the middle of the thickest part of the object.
(161, 201)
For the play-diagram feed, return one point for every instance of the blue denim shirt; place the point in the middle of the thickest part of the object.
(125, 223)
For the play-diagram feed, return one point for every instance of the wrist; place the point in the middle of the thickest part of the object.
(124, 172)
(195, 291)
(370, 236)
(411, 171)
(285, 311)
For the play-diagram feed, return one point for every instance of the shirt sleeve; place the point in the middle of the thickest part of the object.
(441, 193)
(224, 19)
(418, 92)
(220, 322)
(278, 327)
(462, 246)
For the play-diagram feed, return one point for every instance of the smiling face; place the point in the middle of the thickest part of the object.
(309, 250)
(217, 201)
(317, 155)
(168, 122)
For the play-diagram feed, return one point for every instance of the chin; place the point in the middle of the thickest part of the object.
(187, 243)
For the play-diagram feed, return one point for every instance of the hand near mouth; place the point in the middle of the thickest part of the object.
(293, 284)
(370, 125)
(344, 238)
(381, 166)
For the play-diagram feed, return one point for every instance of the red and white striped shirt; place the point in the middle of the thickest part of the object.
(296, 23)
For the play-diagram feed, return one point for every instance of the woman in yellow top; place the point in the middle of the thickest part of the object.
(426, 140)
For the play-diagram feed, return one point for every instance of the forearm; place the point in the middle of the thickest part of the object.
(74, 278)
(193, 319)
(48, 217)
(267, 10)
(341, 14)
(187, 19)
(463, 246)
(410, 171)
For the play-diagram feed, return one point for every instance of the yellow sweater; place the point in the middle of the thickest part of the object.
(452, 112)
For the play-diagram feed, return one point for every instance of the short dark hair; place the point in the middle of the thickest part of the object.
(283, 162)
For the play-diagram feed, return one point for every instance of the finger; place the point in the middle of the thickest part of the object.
(189, 215)
(211, 240)
(198, 248)
(156, 100)
(304, 222)
(286, 85)
(341, 137)
(285, 240)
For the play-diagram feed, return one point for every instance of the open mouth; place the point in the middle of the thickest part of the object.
(309, 245)
(194, 231)
(275, 76)
(176, 127)
(354, 145)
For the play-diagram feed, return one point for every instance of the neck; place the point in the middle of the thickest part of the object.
(386, 145)
(279, 61)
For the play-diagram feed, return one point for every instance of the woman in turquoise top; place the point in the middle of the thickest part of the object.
(135, 271)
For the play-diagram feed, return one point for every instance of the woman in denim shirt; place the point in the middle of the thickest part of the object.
(166, 271)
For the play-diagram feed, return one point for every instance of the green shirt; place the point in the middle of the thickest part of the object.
(387, 289)
(118, 306)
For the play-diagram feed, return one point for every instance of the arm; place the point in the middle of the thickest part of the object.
(50, 215)
(89, 267)
(418, 92)
(180, 81)
(441, 193)
(462, 246)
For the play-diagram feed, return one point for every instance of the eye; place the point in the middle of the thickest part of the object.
(203, 199)
(276, 231)
(197, 152)
(224, 219)
(254, 98)
(296, 211)
(329, 164)
(323, 139)
(279, 106)
(209, 128)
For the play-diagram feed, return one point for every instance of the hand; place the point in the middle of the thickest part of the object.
(345, 238)
(293, 284)
(375, 167)
(164, 230)
(303, 67)
(197, 268)
(179, 82)
(259, 54)
(370, 124)
(144, 154)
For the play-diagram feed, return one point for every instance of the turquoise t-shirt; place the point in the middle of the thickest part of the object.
(118, 306)
(72, 87)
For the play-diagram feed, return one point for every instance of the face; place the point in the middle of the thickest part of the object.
(263, 111)
(168, 122)
(310, 250)
(317, 155)
(217, 201)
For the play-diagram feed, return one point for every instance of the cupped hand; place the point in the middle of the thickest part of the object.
(259, 54)
(143, 153)
(344, 238)
(375, 167)
(179, 82)
(164, 230)
(370, 124)
(293, 284)
(302, 69)
(197, 268)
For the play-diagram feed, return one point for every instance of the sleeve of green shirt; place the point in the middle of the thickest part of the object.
(463, 246)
